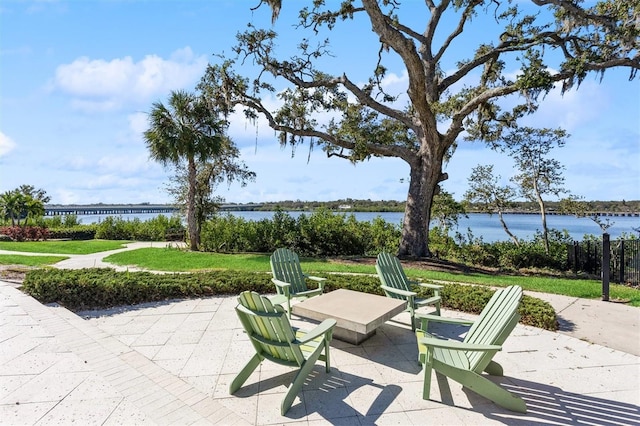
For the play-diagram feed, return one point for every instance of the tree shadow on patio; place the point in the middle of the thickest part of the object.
(548, 404)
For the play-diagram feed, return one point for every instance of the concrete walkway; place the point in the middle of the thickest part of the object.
(171, 363)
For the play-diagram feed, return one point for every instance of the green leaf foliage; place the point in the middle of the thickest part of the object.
(99, 288)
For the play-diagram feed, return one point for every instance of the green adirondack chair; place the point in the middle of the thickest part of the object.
(396, 285)
(274, 339)
(289, 279)
(465, 361)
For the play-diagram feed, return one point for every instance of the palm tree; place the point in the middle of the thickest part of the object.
(184, 130)
(33, 209)
(11, 203)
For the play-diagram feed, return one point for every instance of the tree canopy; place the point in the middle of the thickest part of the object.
(473, 69)
(25, 202)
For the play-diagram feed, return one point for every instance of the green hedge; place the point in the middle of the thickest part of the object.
(159, 228)
(78, 232)
(100, 288)
(320, 234)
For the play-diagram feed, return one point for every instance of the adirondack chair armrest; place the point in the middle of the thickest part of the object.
(435, 287)
(404, 293)
(283, 285)
(436, 318)
(320, 330)
(311, 277)
(319, 280)
(314, 292)
(433, 342)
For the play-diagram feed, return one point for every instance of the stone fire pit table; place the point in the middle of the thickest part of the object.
(357, 314)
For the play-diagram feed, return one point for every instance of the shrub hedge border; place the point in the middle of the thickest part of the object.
(101, 288)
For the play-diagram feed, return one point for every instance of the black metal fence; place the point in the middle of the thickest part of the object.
(586, 256)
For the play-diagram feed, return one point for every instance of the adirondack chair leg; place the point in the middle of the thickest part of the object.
(325, 357)
(428, 366)
(494, 369)
(412, 314)
(298, 381)
(244, 374)
(485, 387)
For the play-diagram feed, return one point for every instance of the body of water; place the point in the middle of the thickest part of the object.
(488, 227)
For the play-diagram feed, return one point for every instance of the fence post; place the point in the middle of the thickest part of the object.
(606, 265)
(621, 279)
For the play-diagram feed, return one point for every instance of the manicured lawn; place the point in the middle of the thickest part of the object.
(62, 247)
(588, 289)
(171, 259)
(168, 259)
(16, 259)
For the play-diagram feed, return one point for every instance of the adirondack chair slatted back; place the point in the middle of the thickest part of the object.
(269, 329)
(392, 274)
(285, 266)
(495, 323)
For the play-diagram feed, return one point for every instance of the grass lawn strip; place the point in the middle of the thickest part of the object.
(63, 247)
(171, 259)
(16, 259)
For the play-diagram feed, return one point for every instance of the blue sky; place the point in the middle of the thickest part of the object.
(78, 77)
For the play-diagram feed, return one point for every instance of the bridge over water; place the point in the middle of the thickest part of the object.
(119, 209)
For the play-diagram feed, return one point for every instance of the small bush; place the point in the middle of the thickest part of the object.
(159, 228)
(25, 233)
(320, 234)
(77, 232)
(103, 288)
(59, 221)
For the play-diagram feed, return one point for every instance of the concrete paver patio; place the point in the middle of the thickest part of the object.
(171, 363)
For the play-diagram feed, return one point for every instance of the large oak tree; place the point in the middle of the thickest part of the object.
(473, 67)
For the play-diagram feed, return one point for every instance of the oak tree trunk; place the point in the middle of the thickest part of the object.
(425, 174)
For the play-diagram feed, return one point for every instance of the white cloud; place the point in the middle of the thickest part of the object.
(138, 123)
(78, 162)
(65, 196)
(572, 109)
(6, 144)
(131, 135)
(112, 181)
(98, 84)
(397, 84)
(95, 106)
(124, 165)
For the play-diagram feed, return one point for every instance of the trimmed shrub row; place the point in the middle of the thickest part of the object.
(77, 232)
(99, 288)
(24, 233)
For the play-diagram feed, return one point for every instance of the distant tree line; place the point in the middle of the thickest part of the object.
(352, 205)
